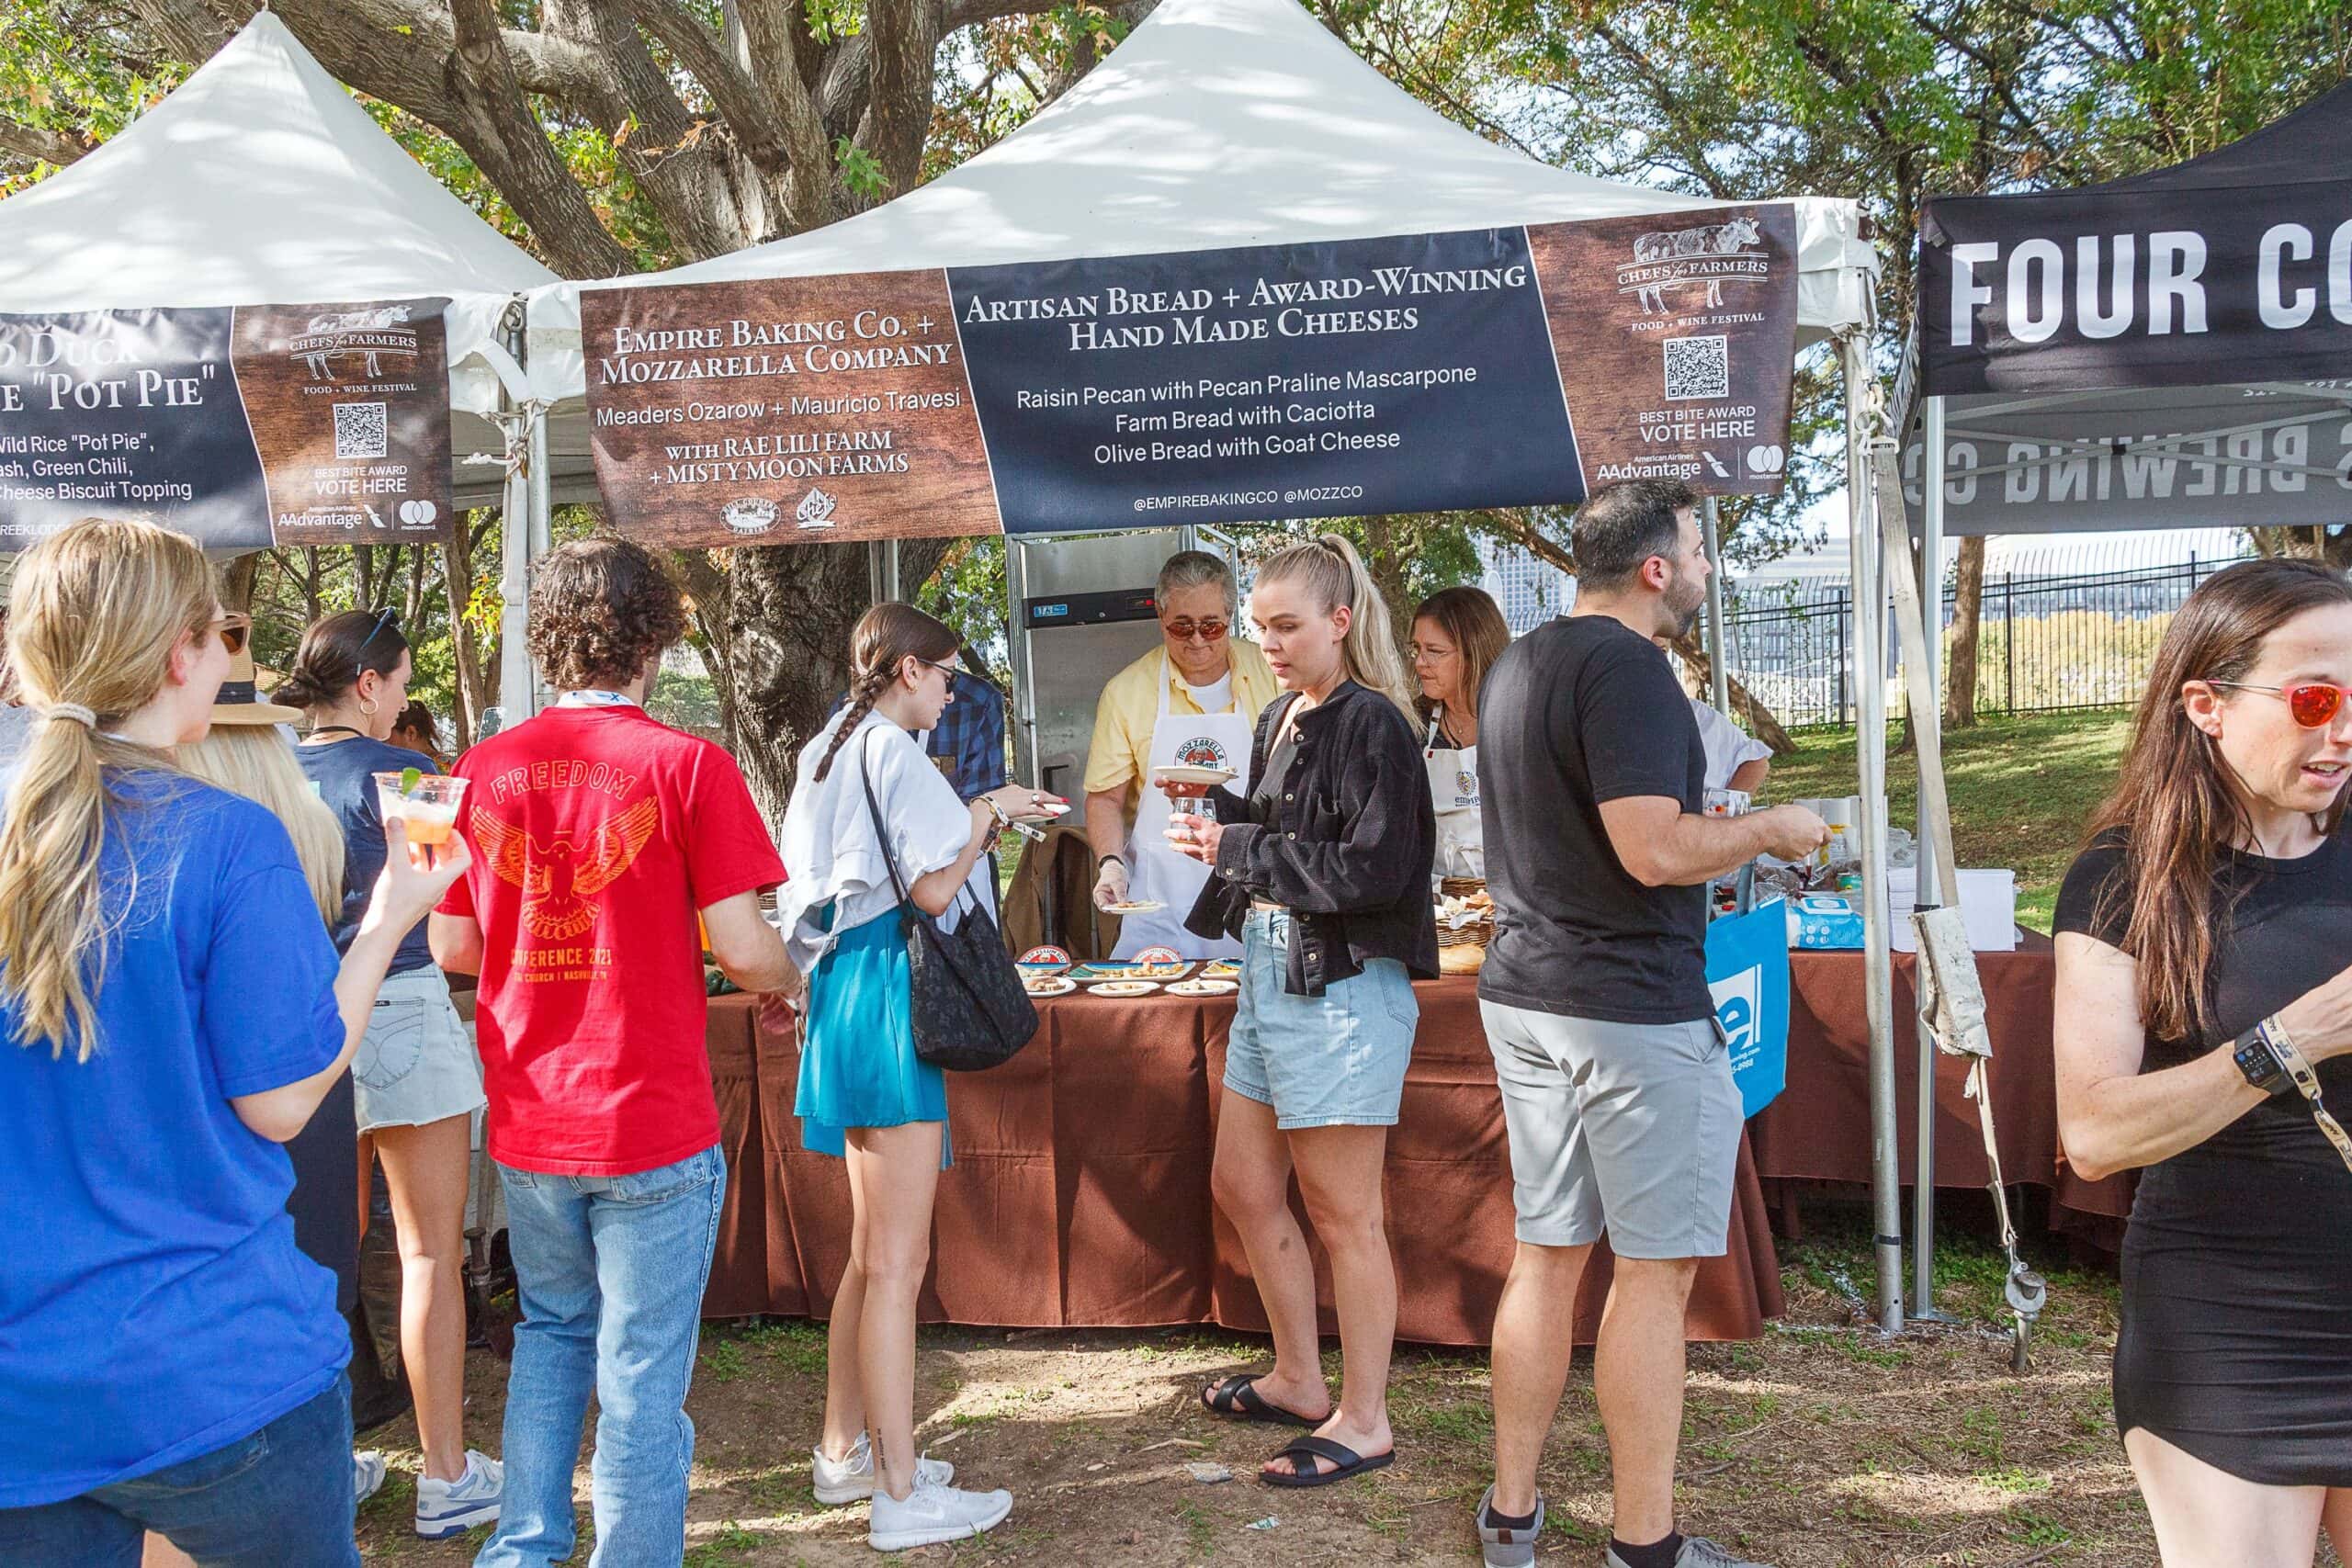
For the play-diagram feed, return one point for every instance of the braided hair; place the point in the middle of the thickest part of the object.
(883, 638)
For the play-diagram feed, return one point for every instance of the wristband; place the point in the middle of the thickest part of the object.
(2259, 1063)
(2306, 1082)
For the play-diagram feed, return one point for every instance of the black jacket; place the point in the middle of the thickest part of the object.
(1346, 845)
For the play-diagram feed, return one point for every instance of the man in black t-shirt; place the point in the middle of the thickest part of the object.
(1617, 1091)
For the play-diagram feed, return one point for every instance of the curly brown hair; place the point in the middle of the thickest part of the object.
(602, 610)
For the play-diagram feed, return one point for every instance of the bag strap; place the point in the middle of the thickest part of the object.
(881, 833)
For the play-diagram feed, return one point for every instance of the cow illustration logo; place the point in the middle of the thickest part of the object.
(816, 510)
(1671, 261)
(369, 335)
(561, 878)
(1203, 751)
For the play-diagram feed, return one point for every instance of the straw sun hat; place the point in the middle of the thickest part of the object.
(239, 699)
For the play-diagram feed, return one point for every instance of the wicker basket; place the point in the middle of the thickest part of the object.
(1461, 887)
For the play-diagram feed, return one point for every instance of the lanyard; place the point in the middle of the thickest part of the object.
(593, 699)
(2306, 1082)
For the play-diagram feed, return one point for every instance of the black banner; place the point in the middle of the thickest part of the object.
(317, 423)
(2144, 286)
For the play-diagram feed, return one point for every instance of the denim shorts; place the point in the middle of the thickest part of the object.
(1336, 1060)
(416, 1065)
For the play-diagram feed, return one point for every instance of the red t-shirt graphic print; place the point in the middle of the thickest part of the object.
(597, 833)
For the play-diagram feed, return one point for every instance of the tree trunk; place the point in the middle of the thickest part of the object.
(1744, 705)
(1967, 633)
(237, 582)
(1386, 558)
(474, 694)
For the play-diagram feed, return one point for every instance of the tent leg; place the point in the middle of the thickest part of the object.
(1870, 749)
(1924, 896)
(514, 683)
(1718, 669)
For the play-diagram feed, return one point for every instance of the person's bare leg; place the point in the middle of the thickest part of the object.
(2335, 1517)
(425, 1170)
(1251, 1179)
(844, 1395)
(1637, 1374)
(161, 1553)
(897, 1168)
(1340, 1176)
(1533, 1344)
(2206, 1517)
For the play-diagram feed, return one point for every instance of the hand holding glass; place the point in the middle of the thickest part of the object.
(427, 807)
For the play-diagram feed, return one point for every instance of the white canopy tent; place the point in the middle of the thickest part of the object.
(260, 181)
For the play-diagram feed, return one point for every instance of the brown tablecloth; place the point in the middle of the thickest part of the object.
(1079, 1194)
(1819, 1129)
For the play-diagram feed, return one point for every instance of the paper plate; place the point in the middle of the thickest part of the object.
(1204, 987)
(1135, 906)
(1185, 774)
(1124, 987)
(1049, 984)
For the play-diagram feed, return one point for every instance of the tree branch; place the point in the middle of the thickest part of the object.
(732, 91)
(40, 146)
(192, 31)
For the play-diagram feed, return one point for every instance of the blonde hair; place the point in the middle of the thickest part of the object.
(1328, 566)
(93, 616)
(254, 760)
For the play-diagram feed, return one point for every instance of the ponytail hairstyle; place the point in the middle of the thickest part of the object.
(93, 616)
(878, 644)
(336, 653)
(1328, 566)
(2176, 802)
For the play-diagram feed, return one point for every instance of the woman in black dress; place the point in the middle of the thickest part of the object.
(2202, 941)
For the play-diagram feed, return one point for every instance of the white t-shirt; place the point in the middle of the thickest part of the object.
(1729, 748)
(1215, 697)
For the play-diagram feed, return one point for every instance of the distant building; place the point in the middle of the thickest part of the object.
(1528, 590)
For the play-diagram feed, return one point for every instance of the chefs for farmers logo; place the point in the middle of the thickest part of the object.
(1693, 264)
(368, 335)
(1203, 751)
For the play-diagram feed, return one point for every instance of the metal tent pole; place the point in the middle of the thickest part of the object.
(1719, 674)
(1863, 408)
(1924, 887)
(542, 524)
(514, 687)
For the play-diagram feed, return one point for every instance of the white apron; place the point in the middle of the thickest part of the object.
(1155, 871)
(1454, 795)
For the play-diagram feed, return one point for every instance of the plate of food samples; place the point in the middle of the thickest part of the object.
(1220, 969)
(1134, 907)
(1203, 986)
(1049, 985)
(1124, 987)
(1132, 970)
(1185, 774)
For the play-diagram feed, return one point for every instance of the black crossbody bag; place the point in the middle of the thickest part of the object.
(970, 1010)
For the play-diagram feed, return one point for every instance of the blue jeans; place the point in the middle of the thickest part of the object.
(280, 1496)
(610, 1271)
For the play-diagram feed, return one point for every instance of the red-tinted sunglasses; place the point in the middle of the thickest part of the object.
(2314, 706)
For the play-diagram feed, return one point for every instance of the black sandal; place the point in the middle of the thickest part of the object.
(1305, 1450)
(1238, 1396)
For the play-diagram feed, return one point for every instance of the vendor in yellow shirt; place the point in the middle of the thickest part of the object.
(1194, 700)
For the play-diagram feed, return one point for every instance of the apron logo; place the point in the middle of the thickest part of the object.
(1465, 785)
(1201, 751)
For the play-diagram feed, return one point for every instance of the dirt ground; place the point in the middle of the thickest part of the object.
(1820, 1446)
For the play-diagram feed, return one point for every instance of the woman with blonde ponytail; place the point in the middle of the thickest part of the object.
(174, 1013)
(1323, 871)
(869, 800)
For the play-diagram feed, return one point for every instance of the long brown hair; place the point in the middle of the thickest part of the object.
(2176, 803)
(884, 637)
(93, 616)
(1472, 622)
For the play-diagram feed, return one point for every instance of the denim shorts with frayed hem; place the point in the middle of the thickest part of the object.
(1336, 1060)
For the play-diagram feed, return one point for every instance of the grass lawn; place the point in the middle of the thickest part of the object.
(2022, 790)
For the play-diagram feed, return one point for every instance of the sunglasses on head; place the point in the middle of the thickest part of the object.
(234, 630)
(1188, 628)
(2314, 706)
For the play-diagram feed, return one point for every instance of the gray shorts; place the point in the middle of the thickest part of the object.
(417, 1065)
(1627, 1128)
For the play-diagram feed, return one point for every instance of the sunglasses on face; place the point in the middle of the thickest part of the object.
(234, 630)
(2314, 706)
(1187, 629)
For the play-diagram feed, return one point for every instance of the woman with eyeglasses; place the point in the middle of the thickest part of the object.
(1458, 633)
(173, 1014)
(2204, 1022)
(869, 800)
(417, 1080)
(1193, 700)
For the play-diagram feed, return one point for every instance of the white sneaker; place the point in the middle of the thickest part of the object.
(932, 1514)
(367, 1475)
(850, 1479)
(445, 1508)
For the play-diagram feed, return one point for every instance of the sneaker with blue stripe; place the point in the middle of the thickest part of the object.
(445, 1508)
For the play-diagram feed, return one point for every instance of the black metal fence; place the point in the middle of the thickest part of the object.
(2046, 642)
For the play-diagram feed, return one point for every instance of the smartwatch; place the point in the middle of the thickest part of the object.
(2259, 1063)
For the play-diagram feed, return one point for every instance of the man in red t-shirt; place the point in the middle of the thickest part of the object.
(598, 835)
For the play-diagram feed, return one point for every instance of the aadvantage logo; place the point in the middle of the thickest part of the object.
(1739, 1006)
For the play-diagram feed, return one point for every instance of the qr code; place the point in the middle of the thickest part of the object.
(1698, 367)
(361, 431)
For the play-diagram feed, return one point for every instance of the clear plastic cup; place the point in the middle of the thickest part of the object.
(428, 807)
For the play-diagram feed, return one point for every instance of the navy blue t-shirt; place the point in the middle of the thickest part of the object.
(345, 773)
(153, 1305)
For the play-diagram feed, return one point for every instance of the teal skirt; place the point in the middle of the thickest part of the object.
(858, 1067)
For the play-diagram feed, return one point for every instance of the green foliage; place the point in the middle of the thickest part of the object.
(77, 67)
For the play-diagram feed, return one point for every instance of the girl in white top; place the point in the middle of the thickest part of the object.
(1457, 634)
(864, 1094)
